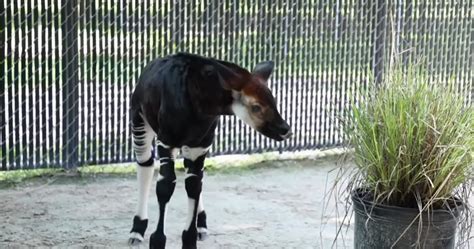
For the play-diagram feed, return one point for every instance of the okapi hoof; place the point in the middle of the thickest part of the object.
(202, 233)
(202, 226)
(189, 239)
(135, 240)
(157, 241)
(137, 232)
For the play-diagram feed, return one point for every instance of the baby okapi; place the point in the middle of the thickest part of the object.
(179, 99)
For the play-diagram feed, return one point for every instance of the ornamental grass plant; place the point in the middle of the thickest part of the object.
(413, 141)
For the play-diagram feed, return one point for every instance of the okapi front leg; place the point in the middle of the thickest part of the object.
(143, 137)
(194, 164)
(201, 220)
(165, 186)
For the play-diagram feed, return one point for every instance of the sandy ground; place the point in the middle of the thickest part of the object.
(276, 205)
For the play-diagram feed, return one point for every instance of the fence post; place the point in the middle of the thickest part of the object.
(3, 118)
(379, 18)
(70, 68)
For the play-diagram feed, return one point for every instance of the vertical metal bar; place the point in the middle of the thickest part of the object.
(58, 34)
(127, 57)
(38, 56)
(468, 74)
(457, 46)
(286, 39)
(341, 69)
(12, 81)
(443, 43)
(82, 111)
(50, 96)
(29, 89)
(132, 52)
(21, 160)
(304, 96)
(312, 113)
(3, 83)
(249, 134)
(106, 58)
(94, 58)
(330, 89)
(324, 88)
(105, 84)
(70, 68)
(86, 82)
(123, 82)
(321, 52)
(100, 83)
(43, 118)
(8, 57)
(407, 21)
(114, 83)
(294, 74)
(183, 40)
(276, 56)
(302, 77)
(379, 18)
(255, 139)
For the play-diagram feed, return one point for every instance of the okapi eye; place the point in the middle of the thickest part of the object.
(256, 108)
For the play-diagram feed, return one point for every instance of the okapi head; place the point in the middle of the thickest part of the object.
(253, 101)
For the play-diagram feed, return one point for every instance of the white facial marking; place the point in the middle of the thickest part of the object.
(144, 177)
(193, 153)
(189, 220)
(242, 113)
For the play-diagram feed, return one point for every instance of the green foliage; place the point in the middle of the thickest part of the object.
(413, 139)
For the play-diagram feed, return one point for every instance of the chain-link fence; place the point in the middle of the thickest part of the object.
(68, 67)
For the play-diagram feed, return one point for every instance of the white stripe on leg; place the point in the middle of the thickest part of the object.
(189, 220)
(144, 177)
(202, 231)
(200, 205)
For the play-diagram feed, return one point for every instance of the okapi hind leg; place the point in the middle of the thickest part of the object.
(143, 136)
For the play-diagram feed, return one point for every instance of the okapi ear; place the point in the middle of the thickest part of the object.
(230, 79)
(263, 70)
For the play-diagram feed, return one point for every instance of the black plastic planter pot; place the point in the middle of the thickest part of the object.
(380, 226)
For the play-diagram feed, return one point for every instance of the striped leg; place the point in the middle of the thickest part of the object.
(164, 190)
(143, 137)
(194, 163)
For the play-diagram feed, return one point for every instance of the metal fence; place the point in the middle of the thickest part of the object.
(68, 67)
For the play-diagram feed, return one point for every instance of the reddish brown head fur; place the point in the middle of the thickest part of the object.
(255, 104)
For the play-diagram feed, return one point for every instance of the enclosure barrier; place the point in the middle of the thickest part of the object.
(69, 66)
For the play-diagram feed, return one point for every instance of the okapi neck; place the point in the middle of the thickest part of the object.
(213, 100)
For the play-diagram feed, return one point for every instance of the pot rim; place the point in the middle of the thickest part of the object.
(369, 208)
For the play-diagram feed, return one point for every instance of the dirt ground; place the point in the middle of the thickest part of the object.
(275, 205)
